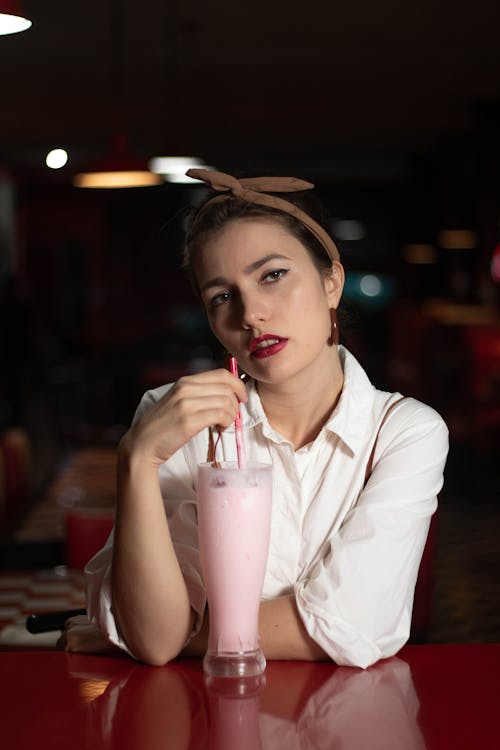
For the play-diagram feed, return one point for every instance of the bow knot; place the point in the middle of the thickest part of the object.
(257, 190)
(221, 182)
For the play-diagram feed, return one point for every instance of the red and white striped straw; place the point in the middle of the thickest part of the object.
(240, 447)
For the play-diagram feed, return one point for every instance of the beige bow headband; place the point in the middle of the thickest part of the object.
(256, 189)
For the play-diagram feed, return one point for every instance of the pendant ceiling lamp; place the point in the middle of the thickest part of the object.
(12, 18)
(119, 168)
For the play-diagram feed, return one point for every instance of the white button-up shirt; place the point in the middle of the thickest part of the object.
(347, 550)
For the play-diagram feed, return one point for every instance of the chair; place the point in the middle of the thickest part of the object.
(87, 530)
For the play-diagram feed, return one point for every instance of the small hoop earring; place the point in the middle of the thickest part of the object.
(334, 334)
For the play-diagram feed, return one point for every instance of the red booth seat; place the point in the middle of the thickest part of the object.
(87, 530)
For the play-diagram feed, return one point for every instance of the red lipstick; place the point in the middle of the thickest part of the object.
(266, 345)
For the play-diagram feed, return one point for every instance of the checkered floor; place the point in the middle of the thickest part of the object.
(466, 595)
(40, 591)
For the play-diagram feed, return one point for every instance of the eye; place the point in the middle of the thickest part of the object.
(271, 276)
(219, 299)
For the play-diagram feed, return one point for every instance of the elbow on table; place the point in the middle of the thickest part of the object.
(155, 657)
(355, 644)
(349, 647)
(155, 645)
(156, 660)
(360, 661)
(366, 653)
(152, 647)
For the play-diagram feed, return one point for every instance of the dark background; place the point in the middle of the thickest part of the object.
(392, 109)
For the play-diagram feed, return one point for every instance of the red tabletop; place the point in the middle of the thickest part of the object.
(437, 696)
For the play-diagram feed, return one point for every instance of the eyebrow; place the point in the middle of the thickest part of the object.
(221, 281)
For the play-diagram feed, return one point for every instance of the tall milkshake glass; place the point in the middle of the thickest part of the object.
(234, 520)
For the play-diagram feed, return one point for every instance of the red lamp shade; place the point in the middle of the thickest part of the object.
(119, 169)
(11, 8)
(12, 18)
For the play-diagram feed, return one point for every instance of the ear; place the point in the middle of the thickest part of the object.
(334, 283)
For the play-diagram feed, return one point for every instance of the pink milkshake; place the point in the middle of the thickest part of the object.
(234, 517)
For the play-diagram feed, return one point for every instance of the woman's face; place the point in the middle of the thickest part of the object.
(266, 301)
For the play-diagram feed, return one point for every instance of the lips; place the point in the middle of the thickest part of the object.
(266, 345)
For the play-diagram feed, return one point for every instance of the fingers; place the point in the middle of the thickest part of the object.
(69, 625)
(214, 381)
(192, 404)
(77, 620)
(204, 410)
(212, 396)
(81, 636)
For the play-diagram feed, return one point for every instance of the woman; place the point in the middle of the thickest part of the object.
(356, 470)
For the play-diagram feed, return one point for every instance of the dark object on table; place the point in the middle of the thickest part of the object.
(47, 621)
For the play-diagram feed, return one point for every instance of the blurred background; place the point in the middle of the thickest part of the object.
(392, 110)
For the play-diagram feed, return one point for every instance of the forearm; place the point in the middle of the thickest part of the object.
(282, 633)
(150, 598)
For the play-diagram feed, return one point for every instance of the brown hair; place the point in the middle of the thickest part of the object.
(210, 218)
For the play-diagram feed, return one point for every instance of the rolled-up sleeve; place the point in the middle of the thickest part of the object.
(356, 601)
(179, 495)
(98, 594)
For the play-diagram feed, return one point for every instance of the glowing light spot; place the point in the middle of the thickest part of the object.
(349, 230)
(118, 179)
(457, 239)
(420, 254)
(174, 168)
(56, 158)
(10, 24)
(370, 285)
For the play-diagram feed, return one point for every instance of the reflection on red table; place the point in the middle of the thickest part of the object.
(427, 697)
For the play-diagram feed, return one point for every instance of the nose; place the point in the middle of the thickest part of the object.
(254, 310)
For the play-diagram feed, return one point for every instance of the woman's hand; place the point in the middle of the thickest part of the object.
(81, 636)
(192, 404)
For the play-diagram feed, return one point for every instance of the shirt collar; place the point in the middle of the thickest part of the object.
(350, 419)
(253, 414)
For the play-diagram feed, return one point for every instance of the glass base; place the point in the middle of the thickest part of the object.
(235, 688)
(243, 664)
